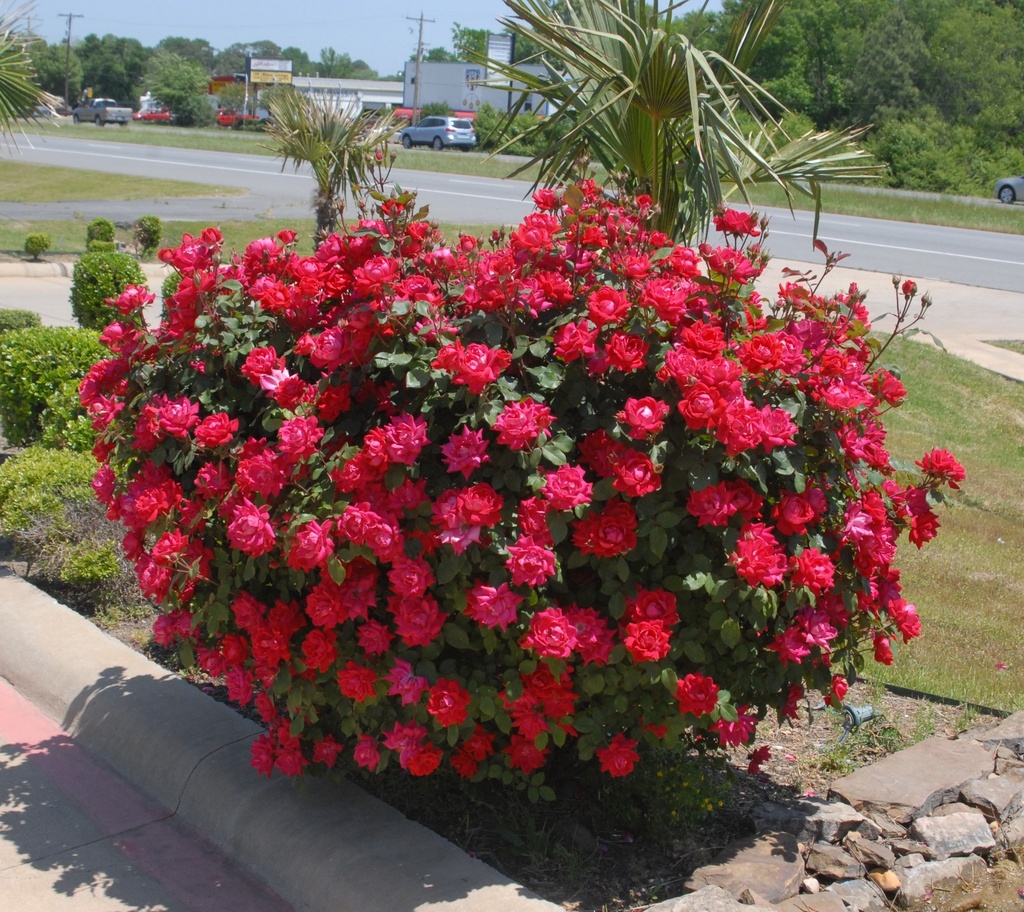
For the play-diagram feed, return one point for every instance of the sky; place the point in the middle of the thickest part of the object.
(381, 32)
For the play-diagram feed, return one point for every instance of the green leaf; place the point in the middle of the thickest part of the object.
(455, 636)
(730, 632)
(658, 542)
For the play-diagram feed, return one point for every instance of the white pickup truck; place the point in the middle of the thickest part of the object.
(102, 111)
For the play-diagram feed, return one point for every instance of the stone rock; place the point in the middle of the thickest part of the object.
(861, 895)
(1005, 764)
(911, 861)
(809, 819)
(833, 863)
(1009, 734)
(820, 902)
(887, 829)
(810, 885)
(999, 798)
(886, 881)
(921, 880)
(912, 782)
(1012, 834)
(901, 847)
(707, 899)
(750, 898)
(868, 853)
(952, 807)
(768, 863)
(955, 834)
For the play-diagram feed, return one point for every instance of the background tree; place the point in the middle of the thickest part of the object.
(198, 50)
(333, 65)
(231, 95)
(232, 59)
(49, 62)
(113, 67)
(469, 43)
(334, 141)
(301, 64)
(183, 86)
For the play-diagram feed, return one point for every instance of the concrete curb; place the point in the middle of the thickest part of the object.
(30, 270)
(323, 847)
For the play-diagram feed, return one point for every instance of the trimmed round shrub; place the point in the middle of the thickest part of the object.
(37, 243)
(570, 498)
(34, 364)
(101, 246)
(100, 229)
(11, 318)
(147, 231)
(96, 277)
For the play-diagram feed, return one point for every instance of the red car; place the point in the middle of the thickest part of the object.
(154, 115)
(228, 118)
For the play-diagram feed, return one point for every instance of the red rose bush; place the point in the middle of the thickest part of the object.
(572, 492)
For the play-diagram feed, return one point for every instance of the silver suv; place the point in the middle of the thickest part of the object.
(440, 133)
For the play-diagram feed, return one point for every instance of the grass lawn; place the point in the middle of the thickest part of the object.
(968, 583)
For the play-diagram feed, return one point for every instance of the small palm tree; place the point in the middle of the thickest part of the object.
(19, 93)
(335, 142)
(686, 127)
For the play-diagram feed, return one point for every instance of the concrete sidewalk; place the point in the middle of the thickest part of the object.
(964, 318)
(111, 768)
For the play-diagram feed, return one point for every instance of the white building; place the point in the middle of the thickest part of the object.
(465, 87)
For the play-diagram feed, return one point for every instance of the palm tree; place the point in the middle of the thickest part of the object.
(686, 127)
(336, 142)
(19, 93)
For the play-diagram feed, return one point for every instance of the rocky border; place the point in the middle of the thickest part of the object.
(921, 820)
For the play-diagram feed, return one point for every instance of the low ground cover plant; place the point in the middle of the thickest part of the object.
(570, 496)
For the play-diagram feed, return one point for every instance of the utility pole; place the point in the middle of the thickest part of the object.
(67, 57)
(419, 62)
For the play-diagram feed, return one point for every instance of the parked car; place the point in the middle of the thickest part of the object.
(1010, 189)
(158, 114)
(440, 133)
(102, 111)
(228, 117)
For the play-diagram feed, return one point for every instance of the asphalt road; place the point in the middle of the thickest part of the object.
(977, 258)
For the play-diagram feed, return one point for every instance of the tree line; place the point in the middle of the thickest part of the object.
(941, 82)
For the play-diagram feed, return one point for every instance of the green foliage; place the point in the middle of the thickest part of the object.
(170, 285)
(112, 67)
(100, 229)
(337, 146)
(436, 109)
(36, 244)
(494, 131)
(671, 792)
(36, 484)
(65, 424)
(663, 117)
(19, 91)
(34, 364)
(101, 246)
(146, 232)
(183, 86)
(57, 71)
(96, 277)
(48, 511)
(11, 318)
(89, 564)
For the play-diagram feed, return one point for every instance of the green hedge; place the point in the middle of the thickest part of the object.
(96, 277)
(35, 363)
